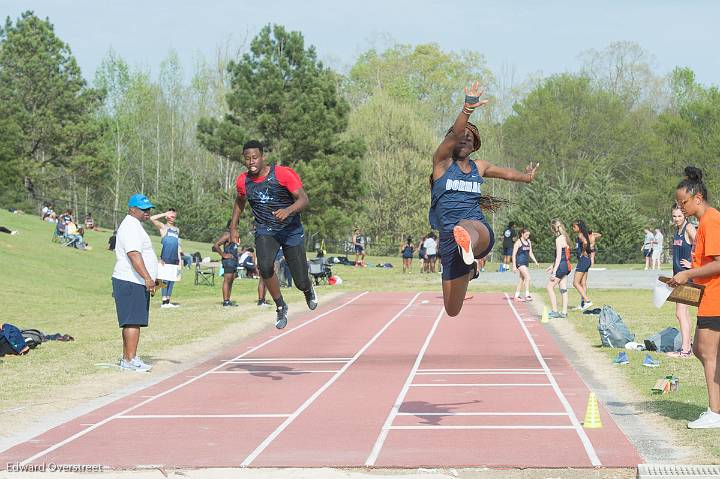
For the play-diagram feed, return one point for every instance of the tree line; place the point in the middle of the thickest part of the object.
(612, 138)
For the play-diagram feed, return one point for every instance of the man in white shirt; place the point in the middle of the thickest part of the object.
(133, 279)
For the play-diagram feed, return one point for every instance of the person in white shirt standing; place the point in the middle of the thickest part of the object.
(657, 251)
(430, 251)
(133, 279)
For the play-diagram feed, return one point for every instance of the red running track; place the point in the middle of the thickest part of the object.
(382, 379)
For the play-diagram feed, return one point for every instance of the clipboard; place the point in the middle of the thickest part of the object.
(688, 293)
(168, 272)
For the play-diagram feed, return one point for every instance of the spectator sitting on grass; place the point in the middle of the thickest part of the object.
(75, 235)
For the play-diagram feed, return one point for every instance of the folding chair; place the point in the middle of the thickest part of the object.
(319, 270)
(204, 275)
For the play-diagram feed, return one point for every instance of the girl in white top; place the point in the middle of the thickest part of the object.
(430, 252)
(647, 247)
(657, 250)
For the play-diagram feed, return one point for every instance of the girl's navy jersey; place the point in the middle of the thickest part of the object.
(170, 245)
(681, 249)
(456, 197)
(407, 251)
(231, 247)
(523, 254)
(579, 248)
(268, 194)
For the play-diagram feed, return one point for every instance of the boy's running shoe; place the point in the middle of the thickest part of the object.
(282, 318)
(311, 298)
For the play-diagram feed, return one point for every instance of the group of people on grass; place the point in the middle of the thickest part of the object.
(652, 248)
(522, 252)
(428, 253)
(68, 230)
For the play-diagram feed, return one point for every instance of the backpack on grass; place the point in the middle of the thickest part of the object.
(33, 337)
(669, 339)
(12, 340)
(613, 332)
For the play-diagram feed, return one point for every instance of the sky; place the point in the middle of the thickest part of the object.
(524, 37)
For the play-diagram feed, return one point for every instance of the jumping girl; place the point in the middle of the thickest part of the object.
(560, 269)
(521, 255)
(692, 196)
(582, 251)
(407, 254)
(683, 240)
(455, 206)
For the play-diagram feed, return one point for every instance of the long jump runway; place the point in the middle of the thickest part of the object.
(379, 379)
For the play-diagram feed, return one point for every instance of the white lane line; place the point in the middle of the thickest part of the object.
(589, 449)
(258, 450)
(478, 427)
(290, 371)
(401, 396)
(476, 385)
(477, 370)
(482, 414)
(276, 360)
(196, 416)
(481, 373)
(276, 363)
(175, 388)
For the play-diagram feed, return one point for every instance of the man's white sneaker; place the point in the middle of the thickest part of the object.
(169, 305)
(139, 364)
(585, 306)
(707, 420)
(130, 366)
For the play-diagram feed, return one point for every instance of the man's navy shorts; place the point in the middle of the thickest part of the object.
(132, 303)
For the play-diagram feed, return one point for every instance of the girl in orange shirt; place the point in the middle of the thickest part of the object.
(692, 197)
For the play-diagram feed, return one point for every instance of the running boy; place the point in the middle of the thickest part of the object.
(276, 196)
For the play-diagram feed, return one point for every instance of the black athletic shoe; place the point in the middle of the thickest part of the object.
(282, 318)
(229, 303)
(476, 270)
(311, 298)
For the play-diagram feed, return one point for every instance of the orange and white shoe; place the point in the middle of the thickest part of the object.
(462, 238)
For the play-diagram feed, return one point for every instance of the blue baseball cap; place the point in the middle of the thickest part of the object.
(139, 201)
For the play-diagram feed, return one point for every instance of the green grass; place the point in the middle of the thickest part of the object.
(643, 319)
